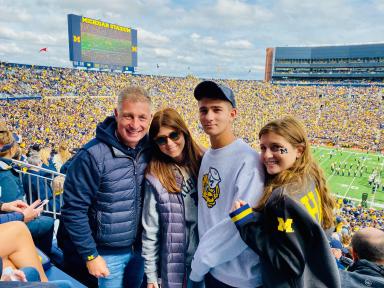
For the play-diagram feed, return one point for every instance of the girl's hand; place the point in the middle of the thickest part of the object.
(10, 274)
(14, 206)
(237, 204)
(31, 212)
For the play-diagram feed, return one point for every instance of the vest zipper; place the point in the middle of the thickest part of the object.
(185, 236)
(138, 197)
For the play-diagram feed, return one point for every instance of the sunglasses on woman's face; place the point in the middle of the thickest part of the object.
(162, 140)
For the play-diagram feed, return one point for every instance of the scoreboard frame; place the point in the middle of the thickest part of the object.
(74, 41)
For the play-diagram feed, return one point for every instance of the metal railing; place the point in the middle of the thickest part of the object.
(41, 183)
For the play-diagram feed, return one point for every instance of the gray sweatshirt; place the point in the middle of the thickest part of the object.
(227, 174)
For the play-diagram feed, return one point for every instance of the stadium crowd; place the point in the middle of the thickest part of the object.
(354, 217)
(74, 102)
(348, 116)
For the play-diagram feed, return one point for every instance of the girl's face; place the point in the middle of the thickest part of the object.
(171, 142)
(277, 153)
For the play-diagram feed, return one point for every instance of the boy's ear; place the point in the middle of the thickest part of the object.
(233, 112)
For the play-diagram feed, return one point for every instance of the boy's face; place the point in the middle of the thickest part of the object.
(216, 116)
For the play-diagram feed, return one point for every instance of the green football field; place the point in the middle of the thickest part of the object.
(99, 43)
(352, 172)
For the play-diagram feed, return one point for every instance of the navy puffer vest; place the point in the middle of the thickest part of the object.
(116, 213)
(173, 235)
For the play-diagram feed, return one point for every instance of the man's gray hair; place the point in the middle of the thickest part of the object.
(133, 94)
(34, 159)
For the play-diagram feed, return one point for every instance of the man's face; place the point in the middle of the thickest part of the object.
(133, 120)
(216, 116)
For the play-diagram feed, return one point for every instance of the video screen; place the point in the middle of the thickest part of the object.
(105, 46)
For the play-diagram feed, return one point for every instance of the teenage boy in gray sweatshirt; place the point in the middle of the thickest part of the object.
(230, 170)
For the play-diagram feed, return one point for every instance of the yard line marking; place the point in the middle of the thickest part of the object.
(349, 187)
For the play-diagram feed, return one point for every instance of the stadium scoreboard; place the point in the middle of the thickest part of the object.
(102, 45)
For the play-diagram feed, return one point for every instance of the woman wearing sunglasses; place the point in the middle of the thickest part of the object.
(170, 235)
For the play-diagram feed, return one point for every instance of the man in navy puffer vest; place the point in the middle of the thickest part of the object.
(103, 193)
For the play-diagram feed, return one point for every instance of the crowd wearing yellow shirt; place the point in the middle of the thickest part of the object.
(345, 116)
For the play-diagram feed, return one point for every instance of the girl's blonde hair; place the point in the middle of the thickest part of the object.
(304, 168)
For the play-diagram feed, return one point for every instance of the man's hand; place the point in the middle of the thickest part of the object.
(31, 212)
(58, 185)
(237, 204)
(14, 206)
(152, 285)
(97, 267)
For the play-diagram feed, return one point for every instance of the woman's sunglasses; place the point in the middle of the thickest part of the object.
(162, 140)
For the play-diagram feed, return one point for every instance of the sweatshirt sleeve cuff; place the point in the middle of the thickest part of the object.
(89, 257)
(19, 216)
(242, 215)
(195, 277)
(199, 268)
(151, 277)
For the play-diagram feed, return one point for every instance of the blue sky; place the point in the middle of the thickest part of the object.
(211, 39)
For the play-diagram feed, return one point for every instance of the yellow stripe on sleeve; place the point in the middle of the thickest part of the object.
(243, 214)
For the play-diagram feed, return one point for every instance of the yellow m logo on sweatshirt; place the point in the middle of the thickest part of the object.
(285, 226)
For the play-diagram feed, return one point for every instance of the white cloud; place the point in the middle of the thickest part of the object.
(162, 52)
(112, 15)
(185, 59)
(151, 39)
(201, 34)
(208, 41)
(14, 14)
(219, 52)
(241, 13)
(10, 48)
(195, 36)
(203, 40)
(32, 37)
(238, 44)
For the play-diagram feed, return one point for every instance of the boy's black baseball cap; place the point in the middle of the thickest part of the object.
(213, 90)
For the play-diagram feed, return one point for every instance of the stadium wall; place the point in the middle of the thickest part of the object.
(268, 64)
(353, 62)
